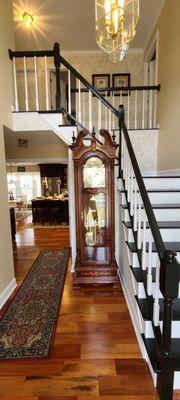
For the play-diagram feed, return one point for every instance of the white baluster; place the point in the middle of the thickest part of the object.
(109, 121)
(36, 84)
(122, 153)
(135, 206)
(99, 115)
(90, 111)
(144, 242)
(156, 297)
(155, 111)
(46, 83)
(128, 110)
(139, 244)
(120, 97)
(25, 86)
(113, 116)
(106, 113)
(150, 109)
(128, 178)
(143, 109)
(126, 169)
(83, 109)
(132, 192)
(15, 86)
(79, 100)
(69, 91)
(149, 275)
(136, 98)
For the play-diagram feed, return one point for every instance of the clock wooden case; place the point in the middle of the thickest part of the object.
(94, 206)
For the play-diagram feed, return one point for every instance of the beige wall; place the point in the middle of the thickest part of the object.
(169, 78)
(6, 41)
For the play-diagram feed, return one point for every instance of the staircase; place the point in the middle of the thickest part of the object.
(164, 193)
(147, 215)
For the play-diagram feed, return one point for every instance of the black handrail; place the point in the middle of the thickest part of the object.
(142, 189)
(120, 88)
(36, 53)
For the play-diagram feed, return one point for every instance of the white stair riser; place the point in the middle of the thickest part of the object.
(168, 235)
(167, 214)
(148, 331)
(140, 292)
(162, 183)
(158, 198)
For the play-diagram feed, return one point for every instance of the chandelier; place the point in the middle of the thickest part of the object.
(116, 22)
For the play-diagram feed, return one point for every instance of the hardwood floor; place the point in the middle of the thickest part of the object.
(95, 352)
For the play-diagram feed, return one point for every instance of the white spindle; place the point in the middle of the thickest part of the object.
(113, 116)
(46, 83)
(139, 222)
(79, 100)
(122, 154)
(136, 99)
(128, 110)
(99, 115)
(143, 108)
(144, 242)
(90, 111)
(132, 192)
(149, 275)
(69, 91)
(106, 113)
(155, 110)
(25, 86)
(15, 86)
(120, 97)
(128, 178)
(109, 121)
(36, 84)
(135, 206)
(83, 109)
(150, 109)
(156, 297)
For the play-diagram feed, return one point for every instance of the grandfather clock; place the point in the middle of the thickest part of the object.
(94, 206)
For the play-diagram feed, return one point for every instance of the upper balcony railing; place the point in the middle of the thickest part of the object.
(45, 81)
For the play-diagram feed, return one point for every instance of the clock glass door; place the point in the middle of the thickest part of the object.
(94, 247)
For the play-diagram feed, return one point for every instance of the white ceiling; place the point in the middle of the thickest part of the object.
(71, 23)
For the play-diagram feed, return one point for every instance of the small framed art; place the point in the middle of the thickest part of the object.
(101, 81)
(121, 80)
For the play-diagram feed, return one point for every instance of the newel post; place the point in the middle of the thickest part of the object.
(57, 67)
(121, 118)
(169, 286)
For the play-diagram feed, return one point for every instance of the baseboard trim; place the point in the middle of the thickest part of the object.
(4, 296)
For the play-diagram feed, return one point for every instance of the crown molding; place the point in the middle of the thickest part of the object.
(96, 52)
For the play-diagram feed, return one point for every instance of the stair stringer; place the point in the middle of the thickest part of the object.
(128, 286)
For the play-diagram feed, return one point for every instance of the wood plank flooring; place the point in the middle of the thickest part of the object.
(95, 354)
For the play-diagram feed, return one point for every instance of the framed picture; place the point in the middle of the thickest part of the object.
(101, 81)
(121, 80)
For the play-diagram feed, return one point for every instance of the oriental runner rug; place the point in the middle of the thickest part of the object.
(27, 329)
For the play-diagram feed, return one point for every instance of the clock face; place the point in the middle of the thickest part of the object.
(94, 173)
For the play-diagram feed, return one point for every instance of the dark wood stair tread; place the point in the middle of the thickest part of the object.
(137, 272)
(159, 206)
(151, 347)
(161, 224)
(174, 246)
(147, 315)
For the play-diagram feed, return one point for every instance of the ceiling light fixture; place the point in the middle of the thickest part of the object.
(116, 22)
(28, 19)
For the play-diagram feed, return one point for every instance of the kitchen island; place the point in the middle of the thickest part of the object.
(50, 211)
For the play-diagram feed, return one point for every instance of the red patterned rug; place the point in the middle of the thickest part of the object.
(28, 326)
